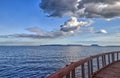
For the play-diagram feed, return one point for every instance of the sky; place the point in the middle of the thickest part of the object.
(42, 22)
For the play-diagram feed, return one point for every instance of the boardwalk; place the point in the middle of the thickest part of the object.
(112, 71)
(105, 65)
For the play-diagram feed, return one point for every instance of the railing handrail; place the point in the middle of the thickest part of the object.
(66, 70)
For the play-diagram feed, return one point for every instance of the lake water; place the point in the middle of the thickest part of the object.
(37, 61)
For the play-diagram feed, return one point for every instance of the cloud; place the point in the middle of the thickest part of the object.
(36, 30)
(48, 35)
(102, 31)
(34, 36)
(104, 10)
(82, 8)
(73, 25)
(59, 7)
(22, 42)
(69, 28)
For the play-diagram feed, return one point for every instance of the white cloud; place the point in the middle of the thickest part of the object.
(103, 31)
(73, 25)
(70, 28)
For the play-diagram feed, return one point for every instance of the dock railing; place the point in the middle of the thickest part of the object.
(88, 67)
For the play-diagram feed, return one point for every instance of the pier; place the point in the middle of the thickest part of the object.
(105, 65)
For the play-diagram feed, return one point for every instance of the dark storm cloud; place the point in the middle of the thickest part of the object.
(82, 8)
(59, 7)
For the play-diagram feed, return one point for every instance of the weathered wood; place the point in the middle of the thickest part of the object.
(108, 58)
(73, 73)
(112, 71)
(68, 75)
(117, 56)
(83, 71)
(91, 64)
(69, 70)
(89, 69)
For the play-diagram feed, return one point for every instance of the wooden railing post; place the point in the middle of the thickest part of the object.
(98, 65)
(73, 72)
(91, 66)
(83, 70)
(68, 75)
(117, 56)
(104, 60)
(113, 57)
(108, 58)
(88, 69)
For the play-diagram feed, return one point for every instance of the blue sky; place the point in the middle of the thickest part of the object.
(25, 17)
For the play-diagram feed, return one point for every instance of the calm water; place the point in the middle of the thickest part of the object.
(34, 62)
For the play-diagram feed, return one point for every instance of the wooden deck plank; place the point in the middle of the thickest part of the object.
(112, 71)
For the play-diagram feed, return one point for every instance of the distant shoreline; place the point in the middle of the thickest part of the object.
(56, 45)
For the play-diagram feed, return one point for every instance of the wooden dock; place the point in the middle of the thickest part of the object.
(105, 65)
(111, 71)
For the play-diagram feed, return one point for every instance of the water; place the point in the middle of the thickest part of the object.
(37, 61)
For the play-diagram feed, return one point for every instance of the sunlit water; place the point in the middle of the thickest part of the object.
(34, 62)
